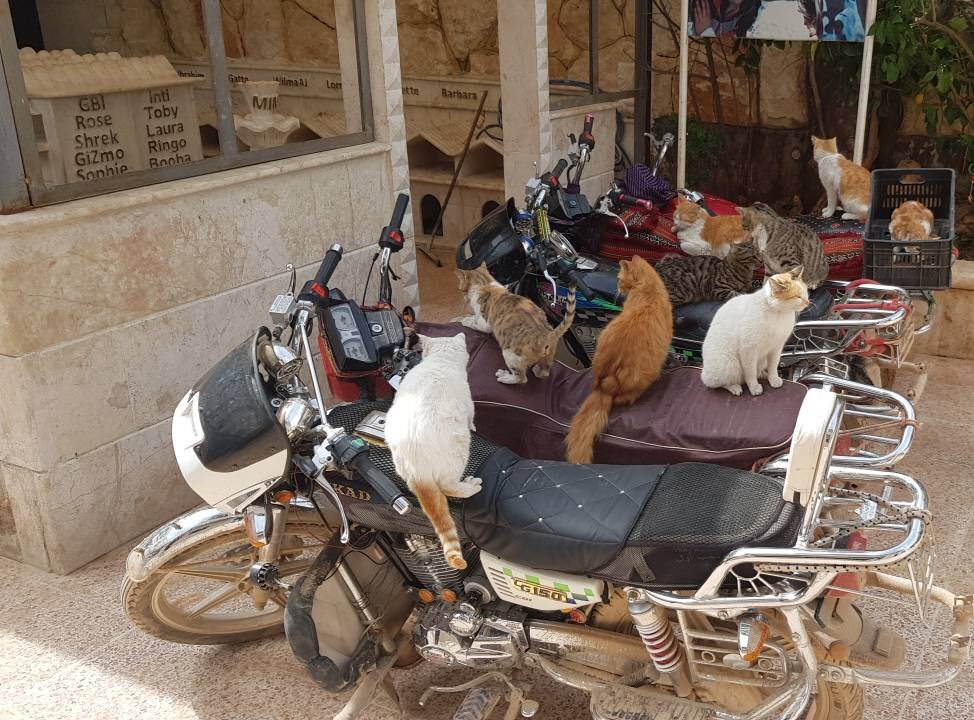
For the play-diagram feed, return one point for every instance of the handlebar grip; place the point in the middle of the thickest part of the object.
(576, 278)
(559, 168)
(621, 198)
(402, 202)
(589, 122)
(328, 265)
(380, 482)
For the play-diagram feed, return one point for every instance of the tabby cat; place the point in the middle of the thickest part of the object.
(629, 356)
(519, 326)
(785, 244)
(705, 277)
(844, 181)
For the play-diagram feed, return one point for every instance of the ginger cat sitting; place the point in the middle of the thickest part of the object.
(629, 356)
(702, 234)
(844, 181)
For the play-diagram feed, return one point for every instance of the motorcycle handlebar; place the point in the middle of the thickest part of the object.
(380, 482)
(580, 287)
(620, 198)
(328, 265)
(399, 212)
(587, 138)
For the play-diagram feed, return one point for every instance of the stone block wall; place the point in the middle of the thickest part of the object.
(112, 307)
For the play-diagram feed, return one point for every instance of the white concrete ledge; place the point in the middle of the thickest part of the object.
(74, 210)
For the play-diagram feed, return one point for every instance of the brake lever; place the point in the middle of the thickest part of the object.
(554, 286)
(602, 208)
(315, 470)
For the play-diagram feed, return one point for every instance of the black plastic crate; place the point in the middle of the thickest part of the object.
(912, 266)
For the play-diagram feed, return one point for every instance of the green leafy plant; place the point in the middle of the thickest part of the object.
(923, 51)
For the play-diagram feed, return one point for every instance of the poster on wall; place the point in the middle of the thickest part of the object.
(843, 20)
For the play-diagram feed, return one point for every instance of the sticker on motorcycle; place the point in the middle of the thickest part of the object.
(531, 588)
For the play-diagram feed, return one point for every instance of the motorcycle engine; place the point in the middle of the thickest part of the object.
(461, 634)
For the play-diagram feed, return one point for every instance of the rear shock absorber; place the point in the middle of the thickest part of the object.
(661, 642)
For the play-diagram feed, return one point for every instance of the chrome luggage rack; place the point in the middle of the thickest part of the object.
(872, 321)
(841, 502)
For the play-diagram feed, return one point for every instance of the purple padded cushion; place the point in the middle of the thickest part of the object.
(678, 419)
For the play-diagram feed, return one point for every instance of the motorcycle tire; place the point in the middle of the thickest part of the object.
(149, 609)
(838, 701)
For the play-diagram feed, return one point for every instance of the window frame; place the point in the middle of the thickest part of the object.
(594, 96)
(18, 146)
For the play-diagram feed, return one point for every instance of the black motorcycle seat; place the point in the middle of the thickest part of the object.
(649, 525)
(692, 321)
(652, 525)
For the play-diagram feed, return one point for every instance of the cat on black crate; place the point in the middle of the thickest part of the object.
(519, 326)
(748, 334)
(707, 277)
(785, 244)
(428, 432)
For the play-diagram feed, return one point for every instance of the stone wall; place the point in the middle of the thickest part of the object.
(112, 307)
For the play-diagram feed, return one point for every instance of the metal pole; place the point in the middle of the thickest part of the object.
(23, 168)
(643, 63)
(13, 182)
(219, 77)
(428, 250)
(593, 46)
(681, 149)
(862, 114)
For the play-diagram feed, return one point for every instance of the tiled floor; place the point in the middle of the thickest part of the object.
(67, 651)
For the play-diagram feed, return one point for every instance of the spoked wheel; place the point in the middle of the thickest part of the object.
(205, 596)
(838, 701)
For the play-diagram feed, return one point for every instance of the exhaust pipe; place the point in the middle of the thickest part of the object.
(622, 655)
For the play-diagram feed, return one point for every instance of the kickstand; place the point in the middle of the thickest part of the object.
(366, 689)
(517, 703)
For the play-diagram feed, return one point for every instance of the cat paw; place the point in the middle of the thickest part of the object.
(541, 372)
(509, 378)
(456, 560)
(775, 381)
(849, 216)
(828, 213)
(755, 389)
(735, 389)
(467, 487)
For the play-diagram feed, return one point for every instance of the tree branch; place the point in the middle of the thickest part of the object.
(949, 32)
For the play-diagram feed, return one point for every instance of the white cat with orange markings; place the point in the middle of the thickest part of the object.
(702, 234)
(911, 222)
(428, 432)
(845, 182)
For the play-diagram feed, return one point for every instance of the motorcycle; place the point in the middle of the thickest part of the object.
(868, 327)
(662, 589)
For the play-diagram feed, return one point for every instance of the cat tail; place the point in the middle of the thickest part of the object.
(587, 425)
(437, 509)
(566, 322)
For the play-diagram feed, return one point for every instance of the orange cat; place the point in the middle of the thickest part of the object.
(912, 221)
(844, 181)
(629, 357)
(701, 234)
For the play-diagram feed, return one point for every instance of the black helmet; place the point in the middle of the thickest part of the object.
(494, 241)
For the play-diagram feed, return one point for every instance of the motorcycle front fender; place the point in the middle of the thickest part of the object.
(189, 529)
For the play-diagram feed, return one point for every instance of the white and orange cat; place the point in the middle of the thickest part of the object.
(703, 234)
(911, 222)
(845, 182)
(428, 432)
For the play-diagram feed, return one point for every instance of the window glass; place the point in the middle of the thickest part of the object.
(125, 88)
(569, 27)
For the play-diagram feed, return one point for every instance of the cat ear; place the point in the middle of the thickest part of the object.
(638, 260)
(623, 266)
(796, 272)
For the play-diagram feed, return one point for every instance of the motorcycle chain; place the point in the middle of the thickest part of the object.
(886, 512)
